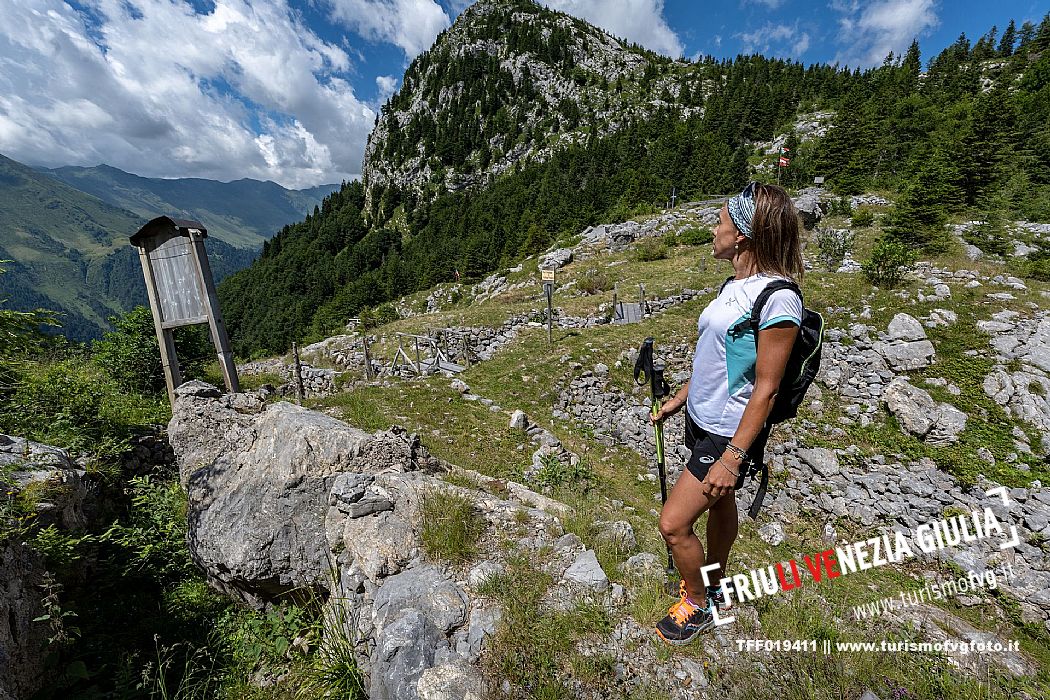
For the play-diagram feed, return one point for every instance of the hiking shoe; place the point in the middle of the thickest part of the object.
(717, 598)
(685, 619)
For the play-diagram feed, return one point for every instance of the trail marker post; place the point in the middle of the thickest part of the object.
(297, 366)
(181, 292)
(547, 277)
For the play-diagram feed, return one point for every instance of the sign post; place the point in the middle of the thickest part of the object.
(547, 277)
(181, 292)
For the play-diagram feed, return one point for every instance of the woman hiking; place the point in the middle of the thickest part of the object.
(729, 394)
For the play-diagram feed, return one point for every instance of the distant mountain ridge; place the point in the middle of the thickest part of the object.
(65, 234)
(243, 213)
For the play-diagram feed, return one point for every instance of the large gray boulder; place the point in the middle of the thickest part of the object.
(809, 210)
(905, 345)
(260, 483)
(918, 414)
(405, 649)
(426, 589)
(281, 499)
(68, 495)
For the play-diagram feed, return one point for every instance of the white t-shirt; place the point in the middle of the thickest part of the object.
(724, 366)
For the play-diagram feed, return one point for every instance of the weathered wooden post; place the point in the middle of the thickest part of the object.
(297, 369)
(181, 292)
(547, 277)
(368, 359)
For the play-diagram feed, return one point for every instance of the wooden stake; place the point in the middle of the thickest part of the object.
(297, 370)
(215, 324)
(168, 359)
(368, 361)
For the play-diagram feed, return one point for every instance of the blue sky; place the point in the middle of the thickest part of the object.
(288, 90)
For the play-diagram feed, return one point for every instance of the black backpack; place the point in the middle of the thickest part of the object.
(804, 362)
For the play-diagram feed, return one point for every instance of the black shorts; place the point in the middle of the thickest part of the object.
(705, 448)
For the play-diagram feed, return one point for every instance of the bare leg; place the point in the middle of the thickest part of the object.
(722, 527)
(685, 504)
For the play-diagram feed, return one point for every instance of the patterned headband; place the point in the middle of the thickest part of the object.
(742, 209)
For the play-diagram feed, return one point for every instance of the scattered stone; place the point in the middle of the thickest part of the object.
(587, 572)
(823, 461)
(519, 421)
(906, 346)
(772, 533)
(809, 210)
(643, 565)
(456, 680)
(618, 534)
(556, 259)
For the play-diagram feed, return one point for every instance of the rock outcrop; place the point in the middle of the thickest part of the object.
(65, 497)
(282, 499)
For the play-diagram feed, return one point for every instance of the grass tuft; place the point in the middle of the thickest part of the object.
(451, 526)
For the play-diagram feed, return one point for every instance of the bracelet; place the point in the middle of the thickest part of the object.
(742, 454)
(736, 474)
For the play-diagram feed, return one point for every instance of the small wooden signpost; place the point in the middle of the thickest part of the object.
(181, 292)
(547, 277)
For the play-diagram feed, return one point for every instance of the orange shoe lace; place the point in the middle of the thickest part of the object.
(682, 610)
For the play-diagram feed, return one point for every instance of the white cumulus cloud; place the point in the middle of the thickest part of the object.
(412, 25)
(386, 84)
(776, 40)
(640, 21)
(869, 31)
(156, 88)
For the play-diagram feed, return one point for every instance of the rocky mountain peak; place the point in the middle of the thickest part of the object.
(510, 82)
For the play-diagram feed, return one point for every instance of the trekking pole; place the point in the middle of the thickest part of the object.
(652, 371)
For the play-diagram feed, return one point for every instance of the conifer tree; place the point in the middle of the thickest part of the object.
(1006, 44)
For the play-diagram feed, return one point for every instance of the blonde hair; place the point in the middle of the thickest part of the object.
(776, 240)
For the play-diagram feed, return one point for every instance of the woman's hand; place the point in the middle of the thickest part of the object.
(672, 406)
(665, 412)
(719, 480)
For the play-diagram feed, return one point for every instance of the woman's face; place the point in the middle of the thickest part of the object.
(726, 236)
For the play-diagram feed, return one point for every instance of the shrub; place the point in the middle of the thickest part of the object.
(72, 403)
(694, 236)
(451, 526)
(833, 245)
(840, 206)
(555, 473)
(379, 316)
(154, 535)
(1036, 266)
(130, 354)
(650, 249)
(990, 234)
(863, 217)
(890, 261)
(594, 281)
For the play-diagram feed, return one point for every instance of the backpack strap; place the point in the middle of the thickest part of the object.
(763, 297)
(728, 280)
(763, 486)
